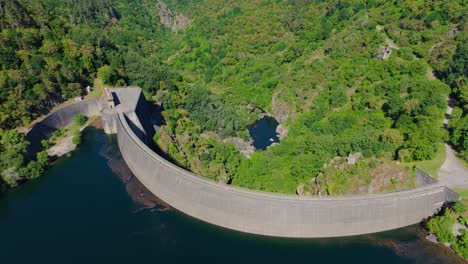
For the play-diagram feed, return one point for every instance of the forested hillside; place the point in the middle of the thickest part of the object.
(319, 67)
(51, 50)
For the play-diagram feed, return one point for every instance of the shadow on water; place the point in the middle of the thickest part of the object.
(89, 208)
(137, 191)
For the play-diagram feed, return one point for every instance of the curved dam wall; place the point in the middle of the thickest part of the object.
(275, 214)
(59, 119)
(237, 208)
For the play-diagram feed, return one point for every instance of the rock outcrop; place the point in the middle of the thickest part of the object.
(245, 147)
(176, 22)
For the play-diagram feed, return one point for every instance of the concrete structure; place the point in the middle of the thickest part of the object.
(109, 98)
(60, 119)
(257, 212)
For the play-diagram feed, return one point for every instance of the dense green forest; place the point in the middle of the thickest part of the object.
(314, 66)
(216, 66)
(51, 50)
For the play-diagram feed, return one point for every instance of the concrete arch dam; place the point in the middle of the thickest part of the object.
(257, 212)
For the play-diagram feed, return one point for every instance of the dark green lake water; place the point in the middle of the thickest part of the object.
(89, 209)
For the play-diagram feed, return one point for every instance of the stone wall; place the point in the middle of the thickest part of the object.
(275, 214)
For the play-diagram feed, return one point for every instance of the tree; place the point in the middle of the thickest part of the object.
(393, 136)
(459, 208)
(71, 90)
(42, 158)
(76, 138)
(461, 245)
(107, 75)
(45, 143)
(80, 119)
(411, 105)
(441, 226)
(306, 166)
(404, 155)
(458, 127)
(32, 170)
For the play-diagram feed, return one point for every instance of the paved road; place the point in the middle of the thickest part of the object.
(453, 173)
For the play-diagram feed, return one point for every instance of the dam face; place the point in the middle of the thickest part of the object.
(257, 212)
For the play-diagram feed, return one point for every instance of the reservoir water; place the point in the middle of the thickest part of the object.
(263, 132)
(88, 208)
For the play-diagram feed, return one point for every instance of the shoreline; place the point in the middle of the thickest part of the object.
(64, 146)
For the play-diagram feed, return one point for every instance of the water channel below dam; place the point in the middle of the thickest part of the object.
(88, 208)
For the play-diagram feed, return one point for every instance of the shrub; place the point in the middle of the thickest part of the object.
(80, 119)
(406, 53)
(76, 138)
(462, 220)
(441, 226)
(461, 245)
(45, 143)
(459, 208)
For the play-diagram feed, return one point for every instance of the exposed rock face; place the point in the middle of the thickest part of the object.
(63, 147)
(245, 147)
(300, 190)
(223, 177)
(282, 111)
(383, 53)
(432, 238)
(353, 158)
(457, 228)
(176, 22)
(282, 131)
(452, 32)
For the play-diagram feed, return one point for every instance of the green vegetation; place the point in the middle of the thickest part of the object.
(442, 226)
(458, 127)
(15, 166)
(52, 50)
(76, 137)
(80, 119)
(311, 64)
(455, 75)
(432, 166)
(316, 68)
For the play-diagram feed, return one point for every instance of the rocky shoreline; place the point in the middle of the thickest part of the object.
(65, 145)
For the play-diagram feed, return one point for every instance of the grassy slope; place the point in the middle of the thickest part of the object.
(432, 166)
